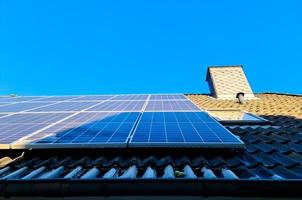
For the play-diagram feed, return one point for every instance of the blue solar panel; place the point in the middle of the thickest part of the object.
(58, 98)
(19, 99)
(88, 129)
(131, 97)
(171, 106)
(119, 106)
(16, 126)
(95, 98)
(17, 107)
(168, 97)
(3, 104)
(181, 129)
(65, 106)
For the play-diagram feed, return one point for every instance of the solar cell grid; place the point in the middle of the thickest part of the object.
(89, 128)
(3, 104)
(95, 98)
(14, 127)
(33, 118)
(171, 106)
(19, 99)
(168, 97)
(179, 129)
(58, 98)
(18, 107)
(131, 97)
(87, 117)
(12, 132)
(65, 106)
(119, 106)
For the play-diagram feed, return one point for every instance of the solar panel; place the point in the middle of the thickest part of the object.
(65, 106)
(171, 106)
(16, 126)
(168, 97)
(100, 129)
(181, 129)
(19, 99)
(17, 107)
(131, 97)
(119, 106)
(95, 98)
(3, 104)
(58, 98)
(2, 115)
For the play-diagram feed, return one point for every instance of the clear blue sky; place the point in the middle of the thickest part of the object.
(95, 47)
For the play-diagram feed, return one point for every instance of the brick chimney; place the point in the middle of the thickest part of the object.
(228, 82)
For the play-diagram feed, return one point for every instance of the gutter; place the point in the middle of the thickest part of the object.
(151, 187)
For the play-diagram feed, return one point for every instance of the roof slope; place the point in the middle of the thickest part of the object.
(273, 153)
(266, 104)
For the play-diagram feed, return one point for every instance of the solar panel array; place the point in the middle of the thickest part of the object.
(108, 121)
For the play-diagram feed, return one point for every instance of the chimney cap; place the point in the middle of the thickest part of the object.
(221, 66)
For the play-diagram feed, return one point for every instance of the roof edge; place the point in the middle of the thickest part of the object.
(256, 93)
(149, 187)
(280, 93)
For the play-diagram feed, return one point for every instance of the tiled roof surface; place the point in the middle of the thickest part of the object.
(272, 152)
(277, 147)
(266, 105)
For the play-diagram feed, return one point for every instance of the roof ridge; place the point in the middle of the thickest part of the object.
(280, 93)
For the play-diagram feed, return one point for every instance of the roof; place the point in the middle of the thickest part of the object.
(273, 155)
(226, 82)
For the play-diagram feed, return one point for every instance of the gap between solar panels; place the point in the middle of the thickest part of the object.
(110, 121)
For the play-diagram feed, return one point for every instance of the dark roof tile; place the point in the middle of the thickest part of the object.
(82, 161)
(266, 148)
(265, 160)
(278, 138)
(281, 148)
(167, 160)
(295, 138)
(284, 160)
(296, 156)
(250, 139)
(97, 162)
(297, 170)
(117, 161)
(286, 173)
(199, 161)
(149, 161)
(182, 161)
(295, 147)
(216, 161)
(244, 172)
(248, 160)
(251, 148)
(262, 172)
(233, 162)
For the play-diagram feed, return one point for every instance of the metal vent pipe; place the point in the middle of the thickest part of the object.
(240, 97)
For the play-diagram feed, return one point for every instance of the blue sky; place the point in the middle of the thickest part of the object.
(96, 47)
